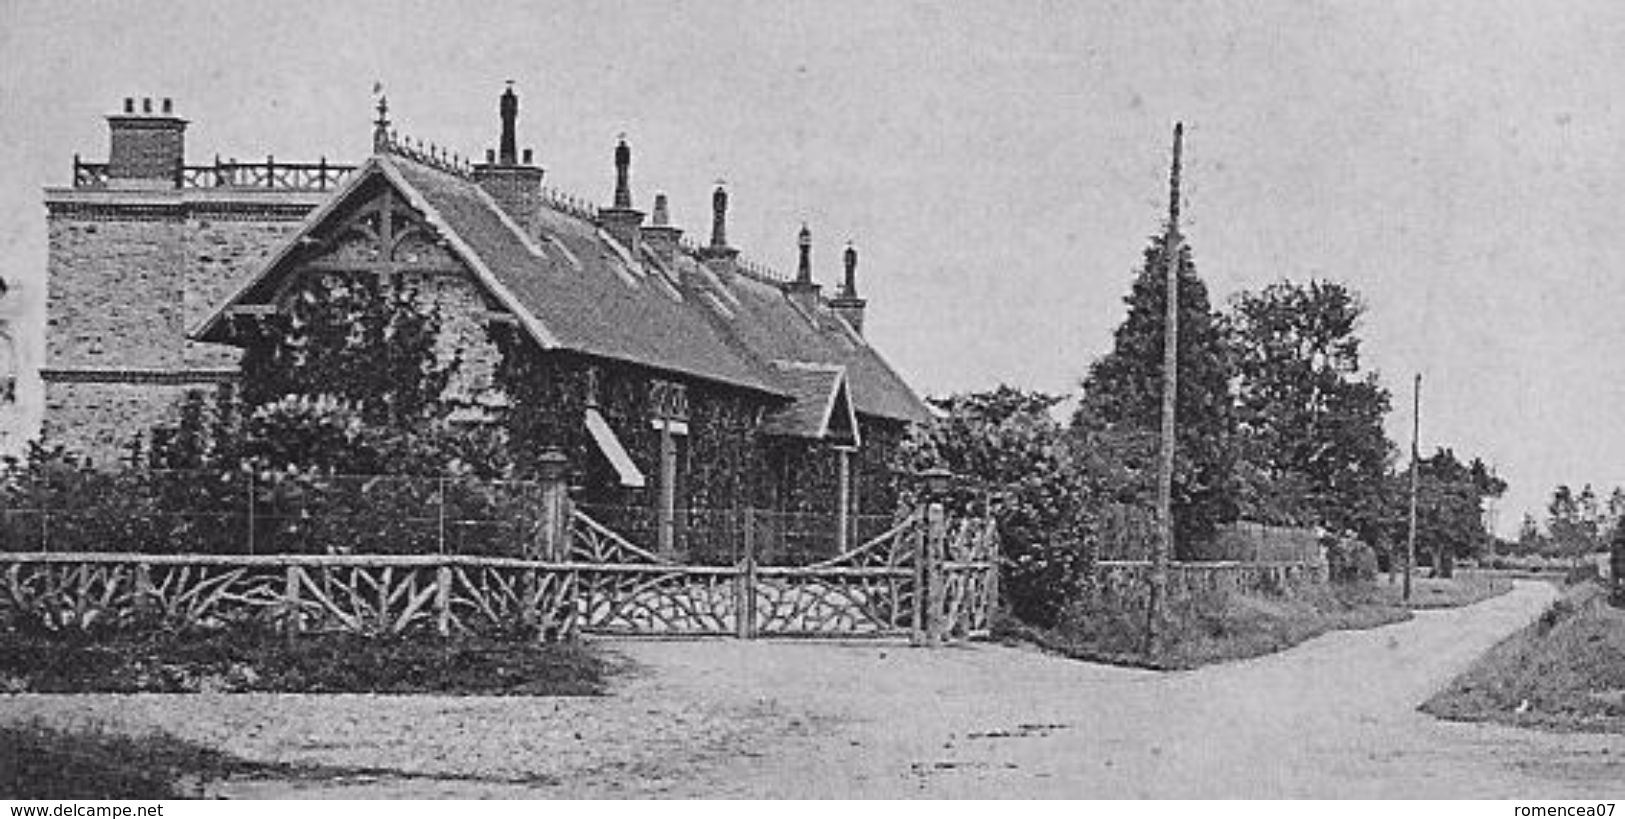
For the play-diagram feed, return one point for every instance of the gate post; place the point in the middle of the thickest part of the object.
(745, 581)
(550, 470)
(916, 535)
(993, 559)
(936, 537)
(146, 597)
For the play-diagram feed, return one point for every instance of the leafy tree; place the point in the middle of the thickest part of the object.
(1616, 511)
(1122, 399)
(1450, 501)
(1616, 567)
(1531, 540)
(1310, 420)
(1011, 451)
(1575, 521)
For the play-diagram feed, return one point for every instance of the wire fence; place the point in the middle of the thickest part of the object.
(175, 512)
(240, 513)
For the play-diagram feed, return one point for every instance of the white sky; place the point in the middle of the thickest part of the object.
(998, 164)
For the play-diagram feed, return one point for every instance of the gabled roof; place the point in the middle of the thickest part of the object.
(573, 287)
(822, 408)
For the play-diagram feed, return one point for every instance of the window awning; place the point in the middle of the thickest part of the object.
(612, 449)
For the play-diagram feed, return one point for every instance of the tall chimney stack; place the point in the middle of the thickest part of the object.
(846, 303)
(659, 234)
(803, 291)
(508, 150)
(621, 219)
(146, 150)
(516, 186)
(719, 250)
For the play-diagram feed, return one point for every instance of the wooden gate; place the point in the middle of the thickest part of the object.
(926, 578)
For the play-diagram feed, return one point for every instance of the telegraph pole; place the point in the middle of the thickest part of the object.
(1416, 432)
(1170, 390)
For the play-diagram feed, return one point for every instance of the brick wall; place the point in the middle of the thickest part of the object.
(114, 293)
(221, 252)
(125, 283)
(146, 148)
(98, 420)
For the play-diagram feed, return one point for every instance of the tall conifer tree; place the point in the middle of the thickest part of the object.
(1122, 394)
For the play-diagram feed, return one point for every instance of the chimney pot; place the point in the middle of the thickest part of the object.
(849, 288)
(804, 242)
(803, 292)
(719, 218)
(623, 175)
(846, 304)
(508, 107)
(662, 217)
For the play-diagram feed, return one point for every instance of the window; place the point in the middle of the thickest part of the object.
(668, 410)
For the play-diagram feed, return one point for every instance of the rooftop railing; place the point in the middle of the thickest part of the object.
(267, 175)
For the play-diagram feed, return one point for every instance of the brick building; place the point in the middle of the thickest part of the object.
(140, 247)
(678, 379)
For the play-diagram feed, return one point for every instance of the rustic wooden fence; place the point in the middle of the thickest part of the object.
(928, 577)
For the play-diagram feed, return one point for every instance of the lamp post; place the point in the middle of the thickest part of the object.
(937, 482)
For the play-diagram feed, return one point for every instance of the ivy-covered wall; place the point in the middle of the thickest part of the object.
(723, 464)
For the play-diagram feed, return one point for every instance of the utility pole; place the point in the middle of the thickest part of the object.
(1416, 432)
(1170, 390)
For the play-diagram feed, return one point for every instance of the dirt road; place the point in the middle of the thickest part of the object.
(1332, 718)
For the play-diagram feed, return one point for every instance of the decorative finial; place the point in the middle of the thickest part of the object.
(380, 126)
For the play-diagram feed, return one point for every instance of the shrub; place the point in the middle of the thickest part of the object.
(1013, 462)
(252, 659)
(1350, 561)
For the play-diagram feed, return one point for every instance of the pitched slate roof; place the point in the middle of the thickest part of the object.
(821, 408)
(574, 287)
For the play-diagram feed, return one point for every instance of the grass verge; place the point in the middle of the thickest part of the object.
(1565, 671)
(41, 762)
(240, 660)
(1465, 589)
(1215, 627)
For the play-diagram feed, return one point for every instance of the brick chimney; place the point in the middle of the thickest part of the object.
(148, 149)
(803, 291)
(659, 234)
(621, 219)
(515, 184)
(718, 250)
(846, 303)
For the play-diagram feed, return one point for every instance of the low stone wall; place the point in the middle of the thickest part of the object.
(1124, 582)
(1248, 542)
